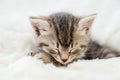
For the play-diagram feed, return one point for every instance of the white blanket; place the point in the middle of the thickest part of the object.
(16, 37)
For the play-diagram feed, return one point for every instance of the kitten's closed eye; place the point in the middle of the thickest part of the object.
(53, 51)
(43, 44)
(75, 51)
(83, 46)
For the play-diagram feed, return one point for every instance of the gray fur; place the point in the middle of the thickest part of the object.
(66, 39)
(64, 27)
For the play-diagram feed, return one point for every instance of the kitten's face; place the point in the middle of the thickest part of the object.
(64, 55)
(62, 36)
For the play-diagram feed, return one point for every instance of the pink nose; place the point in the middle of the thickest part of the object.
(64, 58)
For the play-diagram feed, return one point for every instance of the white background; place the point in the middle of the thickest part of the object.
(16, 36)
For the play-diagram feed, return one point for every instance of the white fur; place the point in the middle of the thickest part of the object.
(106, 29)
(16, 36)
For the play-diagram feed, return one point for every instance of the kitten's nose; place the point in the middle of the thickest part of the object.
(64, 58)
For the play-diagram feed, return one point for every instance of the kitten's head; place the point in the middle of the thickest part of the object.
(62, 35)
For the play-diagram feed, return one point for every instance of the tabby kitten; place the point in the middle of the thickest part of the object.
(62, 38)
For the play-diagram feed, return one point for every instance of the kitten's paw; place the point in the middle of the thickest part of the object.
(44, 57)
(110, 55)
(30, 53)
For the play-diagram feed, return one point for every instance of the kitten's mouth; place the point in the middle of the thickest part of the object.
(64, 63)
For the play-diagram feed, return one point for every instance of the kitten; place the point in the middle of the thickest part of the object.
(62, 38)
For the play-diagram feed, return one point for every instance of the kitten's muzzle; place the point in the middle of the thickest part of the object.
(64, 60)
(64, 57)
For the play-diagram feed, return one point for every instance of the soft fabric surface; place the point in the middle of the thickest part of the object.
(16, 37)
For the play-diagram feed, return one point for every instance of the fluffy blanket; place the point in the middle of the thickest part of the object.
(16, 37)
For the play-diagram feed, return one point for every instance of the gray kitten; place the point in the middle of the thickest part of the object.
(62, 38)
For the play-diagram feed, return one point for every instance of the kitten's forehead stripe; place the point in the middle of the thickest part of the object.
(64, 26)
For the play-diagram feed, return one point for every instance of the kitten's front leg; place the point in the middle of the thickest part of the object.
(31, 53)
(46, 58)
(110, 55)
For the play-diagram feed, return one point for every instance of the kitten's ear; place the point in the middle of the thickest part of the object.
(85, 23)
(40, 25)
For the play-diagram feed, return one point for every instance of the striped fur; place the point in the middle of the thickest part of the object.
(63, 38)
(64, 27)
